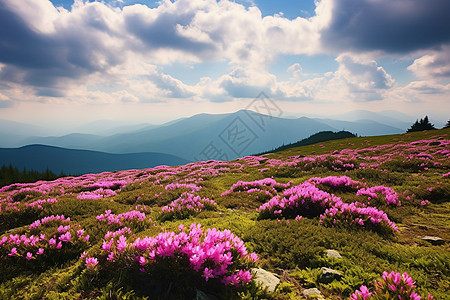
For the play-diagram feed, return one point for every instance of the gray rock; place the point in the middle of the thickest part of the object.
(313, 293)
(328, 275)
(266, 279)
(333, 254)
(433, 240)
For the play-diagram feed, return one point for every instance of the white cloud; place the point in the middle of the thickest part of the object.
(362, 78)
(40, 15)
(98, 53)
(433, 65)
(356, 79)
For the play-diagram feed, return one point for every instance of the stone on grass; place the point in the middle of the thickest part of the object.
(333, 254)
(313, 293)
(328, 275)
(266, 279)
(433, 240)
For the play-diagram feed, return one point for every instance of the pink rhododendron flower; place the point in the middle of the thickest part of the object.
(91, 262)
(13, 251)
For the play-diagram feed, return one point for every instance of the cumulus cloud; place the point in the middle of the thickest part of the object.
(424, 94)
(247, 83)
(433, 65)
(400, 26)
(359, 79)
(427, 87)
(98, 52)
(50, 48)
(362, 74)
(76, 44)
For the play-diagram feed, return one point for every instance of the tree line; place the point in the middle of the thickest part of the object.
(425, 124)
(10, 174)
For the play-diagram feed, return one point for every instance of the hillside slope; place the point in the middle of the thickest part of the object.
(197, 230)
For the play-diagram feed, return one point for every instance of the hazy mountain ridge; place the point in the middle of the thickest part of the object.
(71, 161)
(189, 138)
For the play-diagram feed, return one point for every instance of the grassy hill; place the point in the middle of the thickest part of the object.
(136, 235)
(319, 137)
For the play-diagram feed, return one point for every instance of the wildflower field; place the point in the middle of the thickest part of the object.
(198, 231)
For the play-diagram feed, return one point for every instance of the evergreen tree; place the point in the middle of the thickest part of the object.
(423, 124)
(447, 125)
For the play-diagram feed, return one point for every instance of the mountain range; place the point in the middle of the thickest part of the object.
(207, 136)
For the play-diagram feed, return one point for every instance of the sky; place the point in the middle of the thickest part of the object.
(66, 62)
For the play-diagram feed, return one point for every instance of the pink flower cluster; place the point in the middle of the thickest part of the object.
(356, 213)
(188, 201)
(307, 199)
(10, 204)
(301, 197)
(391, 197)
(121, 231)
(26, 246)
(254, 186)
(119, 219)
(91, 262)
(97, 194)
(191, 186)
(38, 203)
(109, 183)
(51, 218)
(337, 181)
(214, 254)
(393, 286)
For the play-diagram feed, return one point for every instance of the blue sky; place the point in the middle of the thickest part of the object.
(66, 62)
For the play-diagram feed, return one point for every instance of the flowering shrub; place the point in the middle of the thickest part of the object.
(49, 247)
(97, 194)
(308, 200)
(133, 218)
(51, 218)
(213, 255)
(358, 214)
(39, 203)
(257, 185)
(187, 204)
(304, 199)
(393, 286)
(337, 181)
(191, 186)
(391, 197)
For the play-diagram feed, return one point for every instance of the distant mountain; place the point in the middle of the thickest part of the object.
(234, 135)
(109, 127)
(12, 132)
(319, 137)
(215, 136)
(362, 127)
(69, 161)
(388, 117)
(71, 141)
